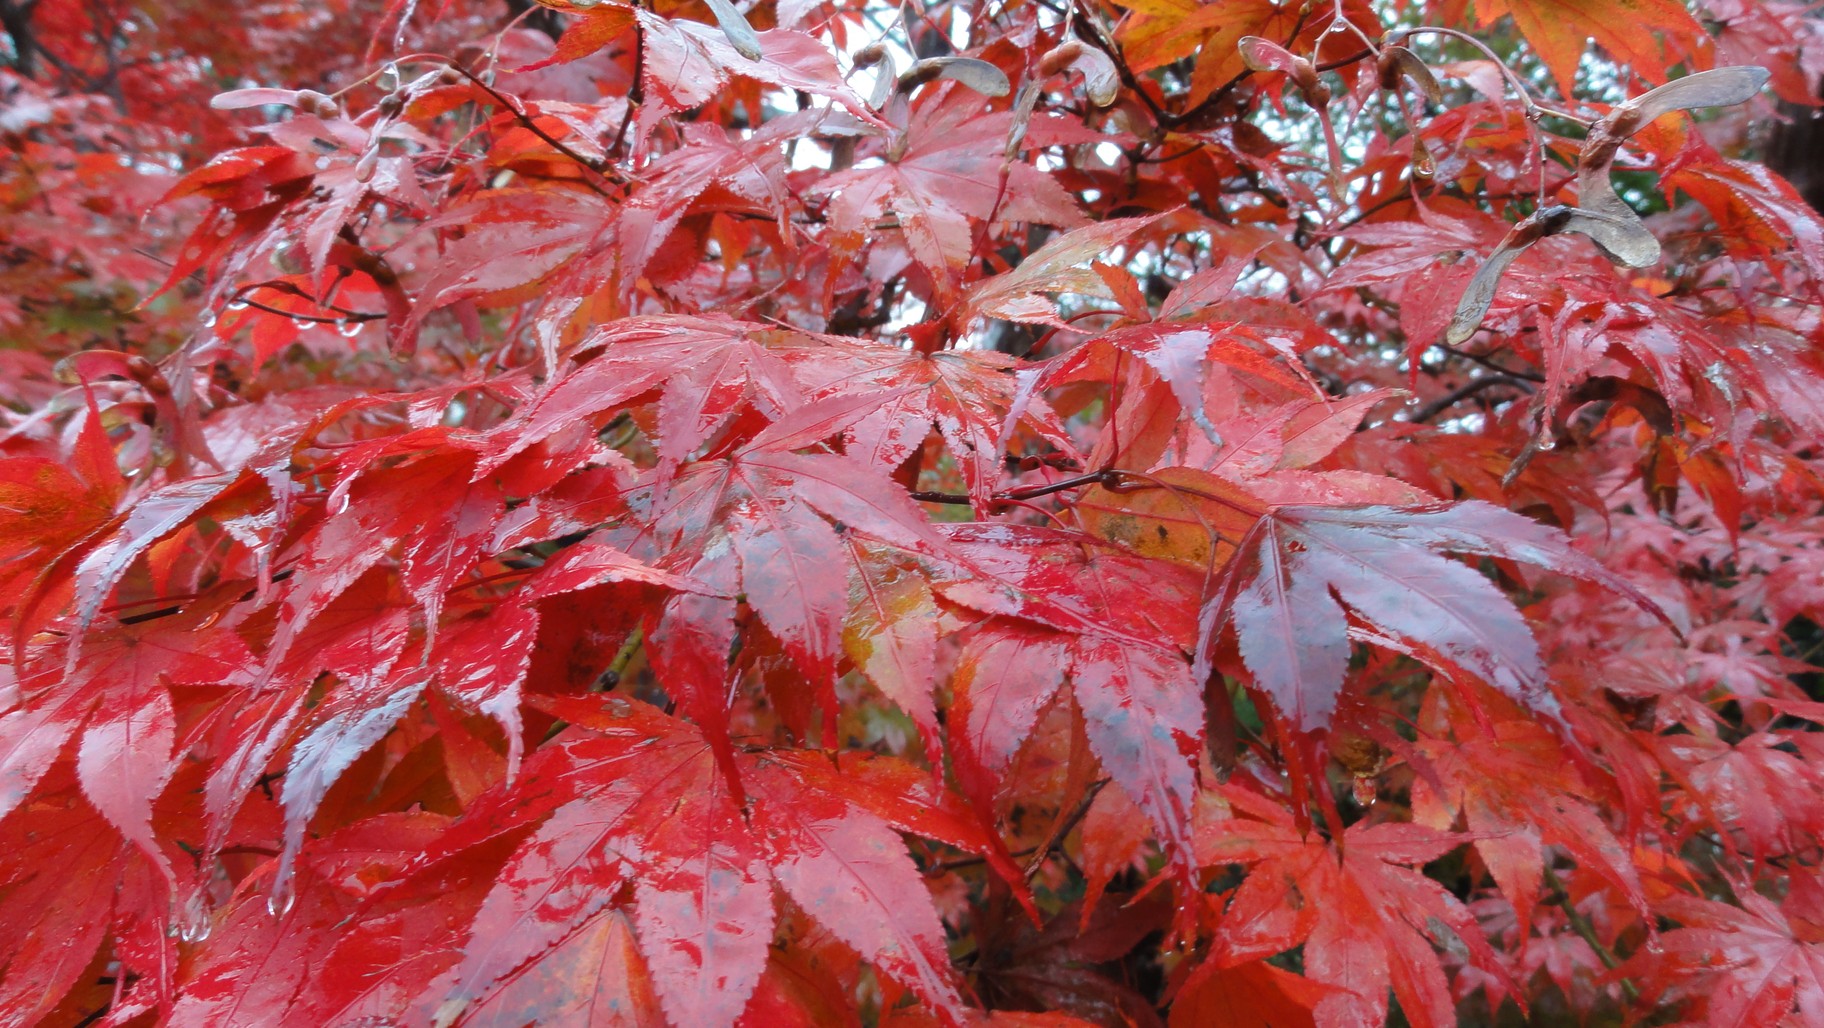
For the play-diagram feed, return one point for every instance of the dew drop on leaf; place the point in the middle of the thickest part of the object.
(348, 329)
(193, 923)
(389, 77)
(238, 304)
(207, 318)
(282, 898)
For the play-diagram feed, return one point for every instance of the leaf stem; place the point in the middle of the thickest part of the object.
(1580, 923)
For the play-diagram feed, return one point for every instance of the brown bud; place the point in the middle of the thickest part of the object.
(1358, 754)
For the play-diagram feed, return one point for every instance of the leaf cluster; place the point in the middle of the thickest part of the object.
(1137, 512)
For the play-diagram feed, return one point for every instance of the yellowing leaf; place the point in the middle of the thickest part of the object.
(1649, 36)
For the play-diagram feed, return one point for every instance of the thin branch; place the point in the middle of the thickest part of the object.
(1580, 923)
(600, 167)
(1102, 478)
(1222, 92)
(1464, 392)
(1530, 376)
(1058, 831)
(1036, 852)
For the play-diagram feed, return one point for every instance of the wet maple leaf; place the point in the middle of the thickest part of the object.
(1363, 914)
(1650, 36)
(1302, 565)
(1517, 792)
(612, 526)
(636, 803)
(1750, 964)
(946, 178)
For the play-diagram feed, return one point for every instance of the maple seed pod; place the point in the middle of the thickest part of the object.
(1397, 61)
(1304, 76)
(1387, 67)
(978, 75)
(143, 371)
(1264, 54)
(870, 55)
(313, 102)
(1059, 58)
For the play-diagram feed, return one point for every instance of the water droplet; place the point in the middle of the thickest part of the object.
(1412, 400)
(302, 323)
(238, 304)
(348, 329)
(1364, 789)
(341, 502)
(389, 77)
(193, 923)
(207, 318)
(1547, 441)
(124, 161)
(282, 898)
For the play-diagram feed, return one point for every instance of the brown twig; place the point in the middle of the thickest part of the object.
(1102, 478)
(1043, 850)
(599, 166)
(1062, 828)
(1464, 392)
(1530, 376)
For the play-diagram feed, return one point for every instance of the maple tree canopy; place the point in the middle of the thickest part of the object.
(1036, 512)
